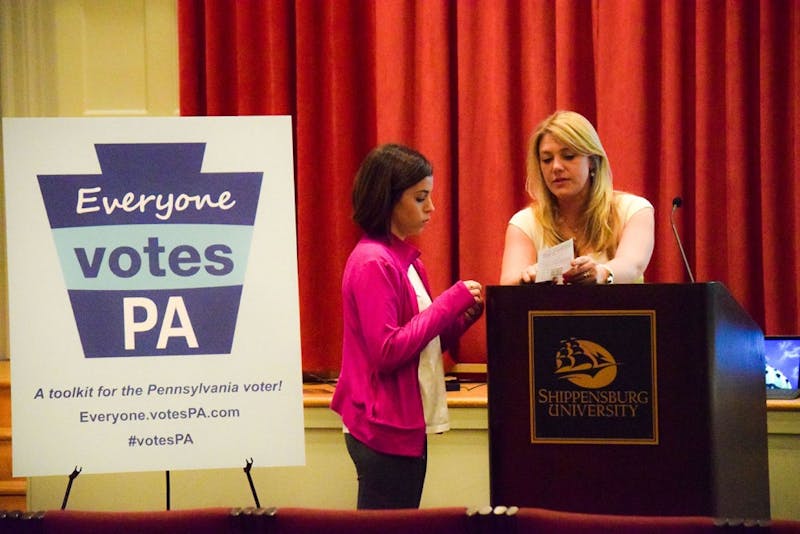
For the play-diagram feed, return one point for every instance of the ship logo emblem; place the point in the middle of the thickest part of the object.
(585, 363)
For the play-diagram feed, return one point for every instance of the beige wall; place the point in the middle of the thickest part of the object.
(77, 58)
(119, 57)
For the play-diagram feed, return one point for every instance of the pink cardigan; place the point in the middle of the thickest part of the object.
(378, 393)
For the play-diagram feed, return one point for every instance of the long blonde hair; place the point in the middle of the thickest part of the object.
(599, 222)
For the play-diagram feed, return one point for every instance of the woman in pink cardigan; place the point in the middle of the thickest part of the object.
(391, 391)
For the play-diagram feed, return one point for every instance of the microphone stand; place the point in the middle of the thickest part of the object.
(676, 203)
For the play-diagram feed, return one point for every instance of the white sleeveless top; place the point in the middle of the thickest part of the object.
(627, 205)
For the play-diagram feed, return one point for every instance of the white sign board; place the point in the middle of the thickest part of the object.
(153, 301)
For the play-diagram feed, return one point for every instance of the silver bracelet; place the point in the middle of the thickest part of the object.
(610, 277)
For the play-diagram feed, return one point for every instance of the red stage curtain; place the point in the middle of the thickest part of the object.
(693, 99)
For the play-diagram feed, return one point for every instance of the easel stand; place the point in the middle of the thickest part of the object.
(247, 468)
(72, 476)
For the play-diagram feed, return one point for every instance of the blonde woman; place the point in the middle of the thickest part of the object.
(569, 180)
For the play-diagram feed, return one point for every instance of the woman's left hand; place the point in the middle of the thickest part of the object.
(475, 311)
(583, 271)
(476, 289)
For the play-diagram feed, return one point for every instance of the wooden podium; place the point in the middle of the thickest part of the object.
(640, 399)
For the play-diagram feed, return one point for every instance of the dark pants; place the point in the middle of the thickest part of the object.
(386, 480)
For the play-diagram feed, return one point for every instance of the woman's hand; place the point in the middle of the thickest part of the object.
(476, 289)
(528, 274)
(584, 271)
(477, 294)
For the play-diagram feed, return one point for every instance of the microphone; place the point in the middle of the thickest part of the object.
(676, 203)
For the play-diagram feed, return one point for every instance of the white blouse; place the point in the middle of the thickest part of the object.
(431, 370)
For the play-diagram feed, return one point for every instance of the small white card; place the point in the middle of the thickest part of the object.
(555, 261)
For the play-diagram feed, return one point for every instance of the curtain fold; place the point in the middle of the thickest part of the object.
(697, 100)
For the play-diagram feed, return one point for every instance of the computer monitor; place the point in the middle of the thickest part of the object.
(782, 355)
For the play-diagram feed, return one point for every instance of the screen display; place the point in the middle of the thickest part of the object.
(782, 354)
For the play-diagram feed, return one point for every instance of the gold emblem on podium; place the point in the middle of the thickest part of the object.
(585, 363)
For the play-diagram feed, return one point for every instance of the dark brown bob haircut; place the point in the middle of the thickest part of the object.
(384, 174)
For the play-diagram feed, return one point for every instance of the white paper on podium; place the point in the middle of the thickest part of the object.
(555, 261)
